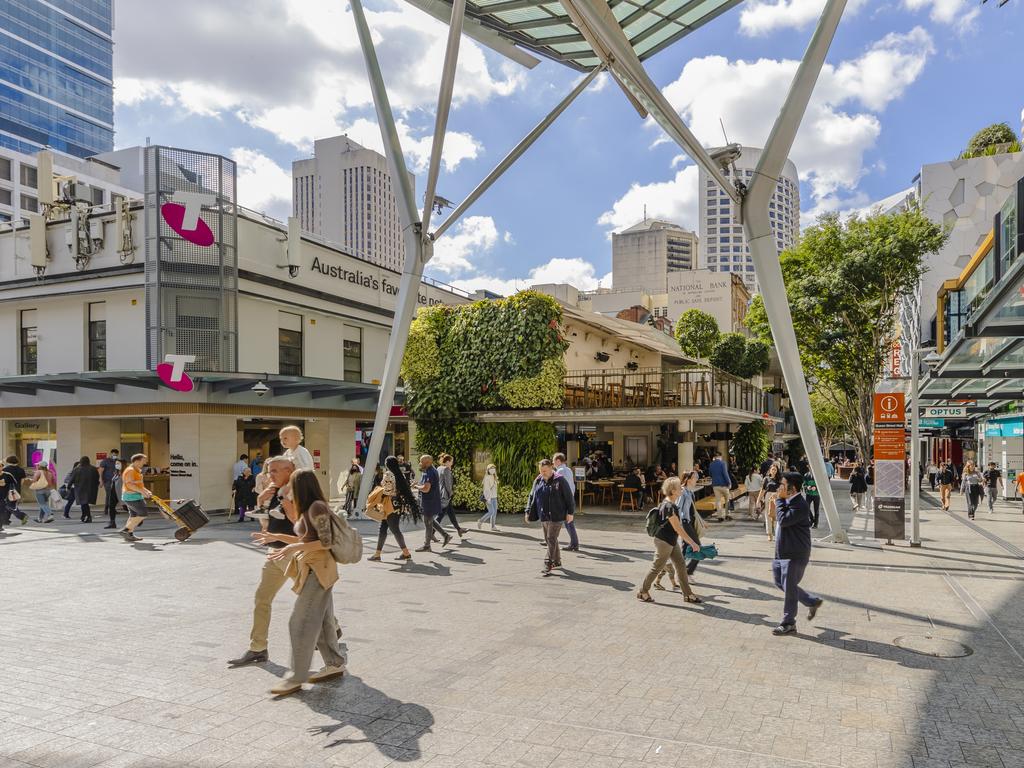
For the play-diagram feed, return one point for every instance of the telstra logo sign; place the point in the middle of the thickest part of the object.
(183, 216)
(172, 372)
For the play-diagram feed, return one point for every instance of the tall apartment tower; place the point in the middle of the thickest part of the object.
(644, 254)
(56, 77)
(723, 245)
(344, 194)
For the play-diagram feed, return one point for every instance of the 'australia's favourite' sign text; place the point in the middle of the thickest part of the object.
(382, 284)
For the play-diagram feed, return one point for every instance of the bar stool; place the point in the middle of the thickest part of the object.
(627, 499)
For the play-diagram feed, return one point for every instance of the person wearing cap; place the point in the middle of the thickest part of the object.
(792, 551)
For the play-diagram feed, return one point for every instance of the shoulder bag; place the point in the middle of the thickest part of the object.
(41, 484)
(346, 543)
(379, 505)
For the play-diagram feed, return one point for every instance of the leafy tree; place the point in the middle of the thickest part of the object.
(756, 358)
(740, 356)
(827, 417)
(997, 133)
(697, 333)
(844, 282)
(751, 444)
(729, 353)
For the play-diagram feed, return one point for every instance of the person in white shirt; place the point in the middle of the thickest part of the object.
(239, 466)
(291, 441)
(565, 471)
(753, 482)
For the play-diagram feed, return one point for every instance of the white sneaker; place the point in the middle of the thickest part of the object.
(327, 673)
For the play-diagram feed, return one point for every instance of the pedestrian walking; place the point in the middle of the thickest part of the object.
(1019, 478)
(446, 479)
(869, 480)
(67, 491)
(792, 552)
(550, 502)
(348, 486)
(10, 502)
(244, 492)
(932, 472)
(830, 469)
(257, 463)
(946, 477)
(858, 487)
(43, 481)
(565, 472)
(239, 466)
(430, 502)
(721, 483)
(669, 531)
(993, 485)
(766, 501)
(490, 494)
(753, 482)
(395, 501)
(111, 468)
(314, 571)
(273, 520)
(85, 480)
(134, 494)
(972, 486)
(812, 496)
(291, 440)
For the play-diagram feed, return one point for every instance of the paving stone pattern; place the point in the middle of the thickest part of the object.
(115, 655)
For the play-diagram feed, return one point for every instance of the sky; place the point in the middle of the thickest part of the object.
(907, 82)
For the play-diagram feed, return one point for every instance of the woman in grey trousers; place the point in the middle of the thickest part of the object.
(312, 625)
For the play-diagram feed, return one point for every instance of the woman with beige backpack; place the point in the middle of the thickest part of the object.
(385, 505)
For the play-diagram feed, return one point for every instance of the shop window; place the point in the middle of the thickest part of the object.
(29, 346)
(289, 344)
(97, 336)
(353, 354)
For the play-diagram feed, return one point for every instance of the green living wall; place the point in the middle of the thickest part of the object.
(489, 355)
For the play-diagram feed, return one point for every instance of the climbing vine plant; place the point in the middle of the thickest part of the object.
(499, 354)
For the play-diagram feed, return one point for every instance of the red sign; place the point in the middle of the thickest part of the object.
(101, 456)
(398, 410)
(316, 451)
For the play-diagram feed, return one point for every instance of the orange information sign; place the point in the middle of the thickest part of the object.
(890, 444)
(889, 408)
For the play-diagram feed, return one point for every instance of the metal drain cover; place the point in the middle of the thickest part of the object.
(938, 647)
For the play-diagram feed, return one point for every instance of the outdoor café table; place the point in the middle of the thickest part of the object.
(606, 487)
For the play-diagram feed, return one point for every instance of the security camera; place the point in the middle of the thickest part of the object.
(260, 389)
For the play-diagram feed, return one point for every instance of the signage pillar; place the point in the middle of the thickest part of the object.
(915, 453)
(890, 465)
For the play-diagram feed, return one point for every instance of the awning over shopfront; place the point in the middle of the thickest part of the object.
(981, 323)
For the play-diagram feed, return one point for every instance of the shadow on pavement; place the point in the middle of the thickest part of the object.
(616, 584)
(367, 715)
(424, 569)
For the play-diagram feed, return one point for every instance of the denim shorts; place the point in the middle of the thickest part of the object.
(137, 508)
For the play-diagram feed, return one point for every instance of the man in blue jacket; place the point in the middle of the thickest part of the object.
(721, 484)
(551, 502)
(792, 551)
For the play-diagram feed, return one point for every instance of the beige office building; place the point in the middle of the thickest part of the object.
(645, 254)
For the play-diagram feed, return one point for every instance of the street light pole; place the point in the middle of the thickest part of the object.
(915, 450)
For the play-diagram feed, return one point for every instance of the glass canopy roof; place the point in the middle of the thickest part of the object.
(545, 27)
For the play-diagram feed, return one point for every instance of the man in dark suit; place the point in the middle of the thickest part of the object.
(792, 551)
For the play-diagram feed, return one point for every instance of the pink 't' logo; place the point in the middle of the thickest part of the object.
(172, 372)
(183, 216)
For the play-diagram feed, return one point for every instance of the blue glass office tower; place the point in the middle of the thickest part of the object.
(56, 70)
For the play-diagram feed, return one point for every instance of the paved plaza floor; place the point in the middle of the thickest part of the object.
(114, 654)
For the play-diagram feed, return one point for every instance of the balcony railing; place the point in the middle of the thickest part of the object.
(657, 388)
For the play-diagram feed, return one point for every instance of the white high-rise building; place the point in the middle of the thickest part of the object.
(723, 244)
(644, 254)
(343, 193)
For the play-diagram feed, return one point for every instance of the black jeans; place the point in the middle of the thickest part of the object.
(110, 507)
(814, 502)
(86, 514)
(430, 525)
(391, 523)
(450, 511)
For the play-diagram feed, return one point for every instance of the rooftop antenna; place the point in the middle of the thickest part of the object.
(645, 213)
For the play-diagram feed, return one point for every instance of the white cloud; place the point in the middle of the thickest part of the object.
(956, 13)
(577, 272)
(761, 17)
(674, 200)
(458, 146)
(840, 125)
(454, 252)
(293, 68)
(263, 185)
